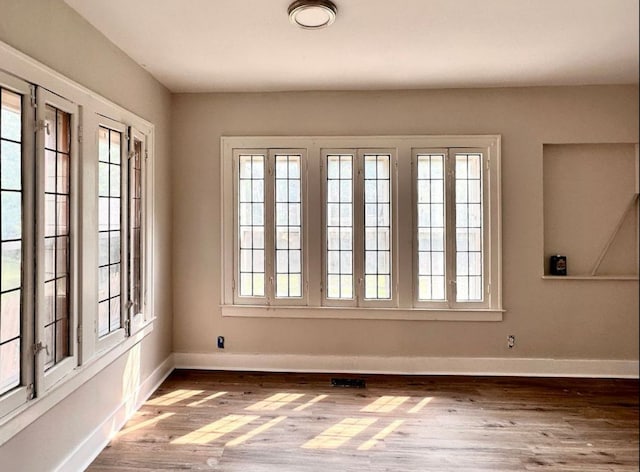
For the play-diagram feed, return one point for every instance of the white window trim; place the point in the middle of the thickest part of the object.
(269, 298)
(19, 395)
(404, 306)
(118, 335)
(45, 380)
(24, 404)
(359, 299)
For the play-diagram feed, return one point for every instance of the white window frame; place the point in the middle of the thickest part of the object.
(269, 298)
(39, 391)
(450, 229)
(404, 304)
(359, 299)
(19, 395)
(135, 321)
(45, 380)
(118, 335)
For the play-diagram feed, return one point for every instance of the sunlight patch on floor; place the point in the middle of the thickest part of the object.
(365, 446)
(275, 402)
(255, 432)
(215, 430)
(310, 402)
(420, 405)
(143, 424)
(206, 399)
(339, 434)
(174, 397)
(385, 404)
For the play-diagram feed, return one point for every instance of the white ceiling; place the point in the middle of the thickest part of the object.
(249, 45)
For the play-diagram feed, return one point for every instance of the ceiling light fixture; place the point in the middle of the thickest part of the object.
(312, 14)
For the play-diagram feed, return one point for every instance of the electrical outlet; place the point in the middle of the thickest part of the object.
(220, 342)
(511, 341)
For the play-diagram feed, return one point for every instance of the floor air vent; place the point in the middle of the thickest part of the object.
(356, 383)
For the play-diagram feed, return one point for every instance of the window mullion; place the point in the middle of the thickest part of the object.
(358, 225)
(269, 227)
(450, 229)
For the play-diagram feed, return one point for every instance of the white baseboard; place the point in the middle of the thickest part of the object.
(595, 368)
(88, 450)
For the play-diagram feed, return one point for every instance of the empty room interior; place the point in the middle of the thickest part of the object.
(313, 235)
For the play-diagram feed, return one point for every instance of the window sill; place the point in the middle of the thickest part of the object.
(354, 313)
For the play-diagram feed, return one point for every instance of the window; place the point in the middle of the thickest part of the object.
(11, 332)
(110, 146)
(268, 219)
(404, 227)
(75, 236)
(358, 227)
(452, 242)
(57, 225)
(121, 231)
(137, 223)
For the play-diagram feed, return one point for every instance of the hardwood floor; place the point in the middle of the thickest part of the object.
(254, 422)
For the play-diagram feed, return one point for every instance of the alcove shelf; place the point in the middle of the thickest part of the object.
(591, 211)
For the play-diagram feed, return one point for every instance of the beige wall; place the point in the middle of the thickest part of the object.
(550, 319)
(52, 33)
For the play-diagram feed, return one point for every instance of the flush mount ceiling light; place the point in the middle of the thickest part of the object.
(312, 14)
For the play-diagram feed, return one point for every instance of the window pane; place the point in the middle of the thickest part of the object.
(57, 189)
(11, 117)
(377, 226)
(430, 227)
(103, 318)
(10, 365)
(10, 319)
(469, 224)
(10, 242)
(288, 220)
(251, 221)
(11, 166)
(11, 265)
(11, 214)
(109, 231)
(339, 227)
(115, 321)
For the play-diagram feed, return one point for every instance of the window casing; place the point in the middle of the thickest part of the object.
(367, 196)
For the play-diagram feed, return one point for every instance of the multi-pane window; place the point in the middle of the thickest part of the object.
(288, 226)
(358, 227)
(430, 226)
(251, 225)
(11, 239)
(449, 226)
(68, 266)
(269, 226)
(406, 225)
(468, 191)
(57, 211)
(339, 226)
(377, 227)
(109, 230)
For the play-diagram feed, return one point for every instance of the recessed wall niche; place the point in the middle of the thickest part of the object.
(591, 208)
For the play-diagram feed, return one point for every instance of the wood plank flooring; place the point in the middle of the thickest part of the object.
(254, 422)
